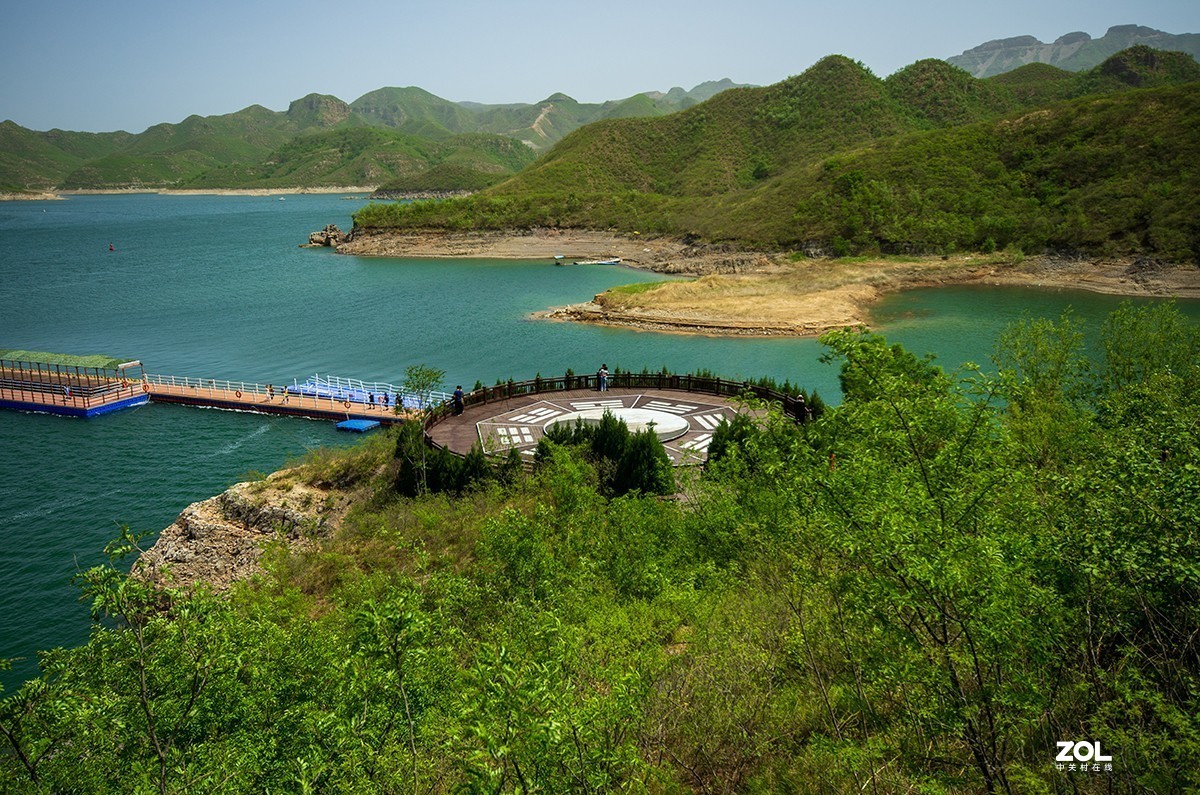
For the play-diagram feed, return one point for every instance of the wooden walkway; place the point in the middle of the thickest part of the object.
(262, 402)
(64, 392)
(519, 422)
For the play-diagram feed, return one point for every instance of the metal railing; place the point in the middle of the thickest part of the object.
(64, 389)
(793, 406)
(376, 394)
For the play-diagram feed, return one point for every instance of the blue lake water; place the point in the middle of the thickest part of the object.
(217, 287)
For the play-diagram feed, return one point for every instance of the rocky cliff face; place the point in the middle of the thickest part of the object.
(221, 540)
(1074, 52)
(318, 110)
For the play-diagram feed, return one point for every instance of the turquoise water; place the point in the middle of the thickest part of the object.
(216, 287)
(961, 324)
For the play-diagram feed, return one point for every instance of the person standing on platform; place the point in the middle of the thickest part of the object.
(602, 377)
(458, 400)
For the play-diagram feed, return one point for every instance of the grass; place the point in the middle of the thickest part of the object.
(634, 289)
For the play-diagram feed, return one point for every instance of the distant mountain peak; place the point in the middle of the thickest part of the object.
(699, 93)
(1078, 37)
(1133, 30)
(318, 110)
(1074, 52)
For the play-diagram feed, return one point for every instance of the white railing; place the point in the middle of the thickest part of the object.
(338, 391)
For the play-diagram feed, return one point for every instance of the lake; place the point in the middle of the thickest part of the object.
(217, 287)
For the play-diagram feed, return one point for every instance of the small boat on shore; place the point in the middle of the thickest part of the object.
(613, 261)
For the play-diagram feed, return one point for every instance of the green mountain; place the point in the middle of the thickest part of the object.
(374, 156)
(317, 111)
(543, 124)
(165, 155)
(250, 148)
(928, 160)
(39, 160)
(1075, 52)
(414, 111)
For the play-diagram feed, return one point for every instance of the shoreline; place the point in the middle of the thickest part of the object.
(736, 292)
(61, 195)
(747, 306)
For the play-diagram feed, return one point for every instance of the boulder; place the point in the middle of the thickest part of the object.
(329, 236)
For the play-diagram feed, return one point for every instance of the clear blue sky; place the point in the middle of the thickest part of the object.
(103, 65)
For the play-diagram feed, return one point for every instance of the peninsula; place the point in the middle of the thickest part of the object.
(736, 291)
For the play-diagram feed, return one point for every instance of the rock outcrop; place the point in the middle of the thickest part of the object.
(331, 235)
(221, 540)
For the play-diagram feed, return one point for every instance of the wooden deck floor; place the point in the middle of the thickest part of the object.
(519, 422)
(291, 405)
(68, 398)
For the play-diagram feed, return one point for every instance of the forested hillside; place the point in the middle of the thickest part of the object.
(929, 160)
(372, 156)
(389, 137)
(928, 588)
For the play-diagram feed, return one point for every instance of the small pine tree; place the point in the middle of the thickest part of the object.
(728, 435)
(643, 466)
(608, 437)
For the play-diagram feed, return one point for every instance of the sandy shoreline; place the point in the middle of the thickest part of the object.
(63, 194)
(738, 292)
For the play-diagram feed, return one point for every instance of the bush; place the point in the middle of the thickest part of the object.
(625, 462)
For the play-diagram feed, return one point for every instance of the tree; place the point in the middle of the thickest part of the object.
(929, 540)
(421, 381)
(1143, 341)
(644, 466)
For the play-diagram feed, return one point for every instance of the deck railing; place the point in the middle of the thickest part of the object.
(353, 392)
(794, 407)
(78, 387)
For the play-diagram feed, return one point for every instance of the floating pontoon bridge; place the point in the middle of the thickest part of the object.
(79, 386)
(85, 386)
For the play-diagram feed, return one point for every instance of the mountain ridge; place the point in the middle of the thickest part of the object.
(1075, 52)
(189, 153)
(928, 160)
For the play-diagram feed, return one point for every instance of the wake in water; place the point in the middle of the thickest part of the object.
(234, 445)
(56, 507)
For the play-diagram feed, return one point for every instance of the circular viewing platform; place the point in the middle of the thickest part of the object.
(683, 411)
(684, 421)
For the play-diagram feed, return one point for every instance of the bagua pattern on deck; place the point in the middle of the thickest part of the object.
(523, 428)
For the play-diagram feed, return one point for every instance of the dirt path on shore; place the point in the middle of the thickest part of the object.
(738, 292)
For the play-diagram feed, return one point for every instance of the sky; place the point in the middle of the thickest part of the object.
(129, 64)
